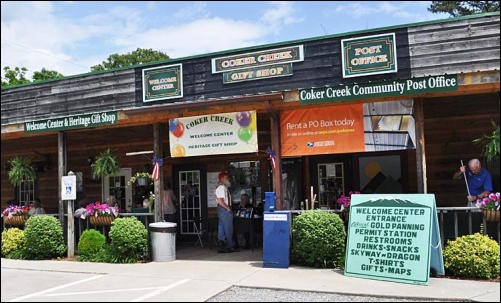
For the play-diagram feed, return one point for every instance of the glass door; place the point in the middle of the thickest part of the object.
(330, 184)
(116, 186)
(190, 198)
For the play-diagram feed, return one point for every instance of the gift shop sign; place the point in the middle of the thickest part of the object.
(228, 133)
(258, 65)
(71, 122)
(369, 55)
(331, 130)
(413, 86)
(389, 237)
(162, 82)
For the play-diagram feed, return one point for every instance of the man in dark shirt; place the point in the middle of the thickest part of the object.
(478, 178)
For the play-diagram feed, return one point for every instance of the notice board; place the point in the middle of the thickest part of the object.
(390, 238)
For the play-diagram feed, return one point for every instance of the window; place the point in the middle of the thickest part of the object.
(330, 184)
(26, 192)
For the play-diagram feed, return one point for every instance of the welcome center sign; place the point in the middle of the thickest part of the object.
(227, 133)
(390, 237)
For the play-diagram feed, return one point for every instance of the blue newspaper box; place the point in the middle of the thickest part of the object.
(276, 239)
(269, 201)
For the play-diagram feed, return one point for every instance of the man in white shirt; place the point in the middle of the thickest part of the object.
(169, 203)
(224, 214)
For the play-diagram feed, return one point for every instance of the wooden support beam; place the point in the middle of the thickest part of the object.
(422, 184)
(158, 184)
(61, 169)
(275, 145)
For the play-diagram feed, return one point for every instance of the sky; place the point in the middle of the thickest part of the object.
(72, 36)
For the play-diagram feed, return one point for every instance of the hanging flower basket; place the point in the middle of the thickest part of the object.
(16, 220)
(101, 220)
(491, 215)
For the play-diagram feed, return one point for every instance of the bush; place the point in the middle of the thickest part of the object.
(319, 239)
(129, 240)
(13, 243)
(90, 243)
(472, 256)
(44, 238)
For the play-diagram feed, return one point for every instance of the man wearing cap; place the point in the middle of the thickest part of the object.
(224, 214)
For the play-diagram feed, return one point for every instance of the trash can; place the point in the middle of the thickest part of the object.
(276, 239)
(163, 241)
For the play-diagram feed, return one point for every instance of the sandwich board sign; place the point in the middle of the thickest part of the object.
(394, 237)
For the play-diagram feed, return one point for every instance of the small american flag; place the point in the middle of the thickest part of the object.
(156, 172)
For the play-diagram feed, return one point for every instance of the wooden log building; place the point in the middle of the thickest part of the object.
(416, 96)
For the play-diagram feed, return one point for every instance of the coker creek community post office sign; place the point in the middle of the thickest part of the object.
(258, 65)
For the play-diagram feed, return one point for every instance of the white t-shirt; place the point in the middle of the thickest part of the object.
(222, 193)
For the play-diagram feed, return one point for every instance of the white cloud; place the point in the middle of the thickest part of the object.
(282, 13)
(401, 10)
(196, 10)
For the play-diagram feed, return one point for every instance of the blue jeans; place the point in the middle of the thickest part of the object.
(225, 226)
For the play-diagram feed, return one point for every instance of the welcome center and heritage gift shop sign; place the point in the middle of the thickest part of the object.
(390, 238)
(258, 65)
(162, 82)
(71, 122)
(226, 133)
(369, 55)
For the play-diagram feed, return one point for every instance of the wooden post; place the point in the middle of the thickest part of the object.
(422, 184)
(307, 180)
(61, 169)
(71, 230)
(158, 184)
(275, 145)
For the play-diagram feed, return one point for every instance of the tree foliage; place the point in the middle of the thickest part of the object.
(139, 56)
(17, 76)
(463, 8)
(45, 74)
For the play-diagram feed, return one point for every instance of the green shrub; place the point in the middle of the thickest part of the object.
(319, 239)
(129, 240)
(44, 238)
(472, 256)
(13, 243)
(90, 243)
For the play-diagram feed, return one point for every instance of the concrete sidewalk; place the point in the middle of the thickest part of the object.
(215, 273)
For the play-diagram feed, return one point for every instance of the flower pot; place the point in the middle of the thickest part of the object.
(142, 181)
(491, 215)
(15, 220)
(101, 220)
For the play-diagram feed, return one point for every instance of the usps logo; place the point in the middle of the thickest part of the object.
(310, 144)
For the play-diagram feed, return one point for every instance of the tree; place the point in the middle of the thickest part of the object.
(46, 74)
(463, 8)
(139, 56)
(14, 76)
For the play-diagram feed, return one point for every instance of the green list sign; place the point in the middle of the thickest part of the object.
(256, 73)
(265, 64)
(389, 237)
(162, 82)
(71, 122)
(369, 55)
(389, 88)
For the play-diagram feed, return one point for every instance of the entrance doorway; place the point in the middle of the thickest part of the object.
(189, 189)
(117, 186)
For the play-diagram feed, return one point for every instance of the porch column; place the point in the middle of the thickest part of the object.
(61, 169)
(275, 145)
(158, 184)
(422, 183)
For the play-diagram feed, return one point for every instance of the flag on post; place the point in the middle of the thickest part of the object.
(155, 174)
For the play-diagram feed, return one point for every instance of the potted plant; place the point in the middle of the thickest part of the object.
(21, 170)
(105, 164)
(490, 207)
(490, 150)
(100, 213)
(345, 202)
(16, 215)
(141, 178)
